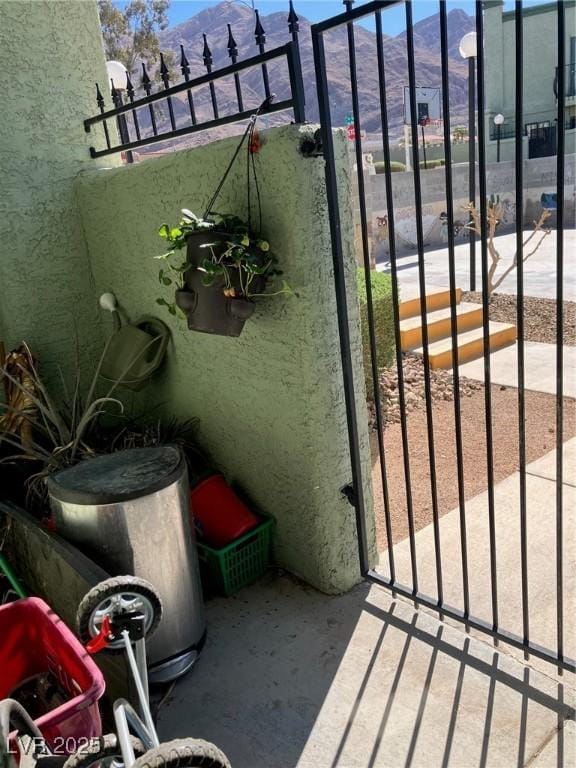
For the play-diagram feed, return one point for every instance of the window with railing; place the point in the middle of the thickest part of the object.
(569, 80)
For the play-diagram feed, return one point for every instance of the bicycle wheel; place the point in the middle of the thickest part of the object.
(184, 753)
(103, 752)
(120, 594)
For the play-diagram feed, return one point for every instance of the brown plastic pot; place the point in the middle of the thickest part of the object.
(207, 309)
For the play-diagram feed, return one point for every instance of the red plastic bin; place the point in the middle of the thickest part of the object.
(34, 640)
(218, 514)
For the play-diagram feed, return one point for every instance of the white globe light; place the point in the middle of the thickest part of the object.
(498, 119)
(468, 47)
(117, 72)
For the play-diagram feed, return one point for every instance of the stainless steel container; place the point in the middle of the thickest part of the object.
(129, 512)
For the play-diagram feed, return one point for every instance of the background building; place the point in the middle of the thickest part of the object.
(540, 78)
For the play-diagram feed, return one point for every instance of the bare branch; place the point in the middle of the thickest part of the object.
(493, 219)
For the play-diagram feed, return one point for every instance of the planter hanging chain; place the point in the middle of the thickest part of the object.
(248, 133)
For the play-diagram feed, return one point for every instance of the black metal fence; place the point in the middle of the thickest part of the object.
(508, 132)
(153, 117)
(374, 12)
(138, 124)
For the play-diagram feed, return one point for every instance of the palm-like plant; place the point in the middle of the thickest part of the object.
(48, 430)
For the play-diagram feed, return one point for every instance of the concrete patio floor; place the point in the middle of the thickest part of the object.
(539, 269)
(291, 678)
(539, 368)
(541, 546)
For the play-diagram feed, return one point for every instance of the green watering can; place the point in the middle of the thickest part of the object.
(135, 351)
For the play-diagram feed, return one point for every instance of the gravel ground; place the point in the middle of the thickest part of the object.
(540, 439)
(539, 316)
(441, 386)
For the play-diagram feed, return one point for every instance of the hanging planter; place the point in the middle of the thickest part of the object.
(227, 265)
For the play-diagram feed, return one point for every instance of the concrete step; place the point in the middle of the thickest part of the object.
(468, 316)
(435, 300)
(470, 345)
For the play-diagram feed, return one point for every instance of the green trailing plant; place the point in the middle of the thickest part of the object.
(238, 261)
(245, 256)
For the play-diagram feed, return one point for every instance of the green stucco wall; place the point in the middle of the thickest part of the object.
(271, 402)
(50, 56)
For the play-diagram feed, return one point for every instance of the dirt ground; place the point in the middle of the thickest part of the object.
(539, 316)
(540, 439)
(441, 388)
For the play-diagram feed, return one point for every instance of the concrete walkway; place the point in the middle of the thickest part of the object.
(291, 678)
(541, 545)
(539, 269)
(539, 368)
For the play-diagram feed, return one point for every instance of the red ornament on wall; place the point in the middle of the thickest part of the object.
(255, 142)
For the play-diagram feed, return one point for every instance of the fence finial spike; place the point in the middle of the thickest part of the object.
(115, 94)
(184, 63)
(259, 32)
(164, 72)
(206, 53)
(146, 82)
(231, 45)
(99, 97)
(129, 86)
(293, 25)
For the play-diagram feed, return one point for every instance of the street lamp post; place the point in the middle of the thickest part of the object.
(117, 76)
(468, 50)
(498, 122)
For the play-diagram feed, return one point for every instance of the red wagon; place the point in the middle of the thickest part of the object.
(35, 641)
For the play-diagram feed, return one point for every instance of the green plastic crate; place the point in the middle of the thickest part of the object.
(239, 563)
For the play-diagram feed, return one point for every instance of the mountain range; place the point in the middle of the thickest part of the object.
(213, 23)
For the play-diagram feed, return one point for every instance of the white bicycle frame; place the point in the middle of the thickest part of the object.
(126, 719)
(13, 714)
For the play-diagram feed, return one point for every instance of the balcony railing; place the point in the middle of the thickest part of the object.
(569, 81)
(172, 112)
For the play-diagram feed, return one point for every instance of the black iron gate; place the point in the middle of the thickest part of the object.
(375, 12)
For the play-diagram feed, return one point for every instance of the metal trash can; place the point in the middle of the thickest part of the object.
(128, 511)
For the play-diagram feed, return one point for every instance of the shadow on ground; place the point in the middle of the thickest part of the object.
(290, 677)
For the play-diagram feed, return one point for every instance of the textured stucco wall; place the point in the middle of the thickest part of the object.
(270, 402)
(50, 55)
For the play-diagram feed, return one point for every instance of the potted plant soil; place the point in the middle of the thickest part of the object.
(218, 264)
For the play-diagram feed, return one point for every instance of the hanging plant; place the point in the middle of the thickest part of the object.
(218, 263)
